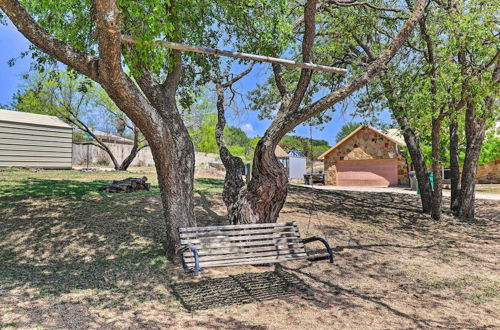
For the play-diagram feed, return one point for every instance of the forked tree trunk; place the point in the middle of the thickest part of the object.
(263, 198)
(474, 132)
(475, 129)
(454, 164)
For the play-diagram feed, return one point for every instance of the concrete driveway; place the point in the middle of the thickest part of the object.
(398, 190)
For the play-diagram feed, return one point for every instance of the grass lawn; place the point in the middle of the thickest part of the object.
(488, 188)
(72, 257)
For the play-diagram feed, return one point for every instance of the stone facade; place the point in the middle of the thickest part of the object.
(367, 143)
(489, 173)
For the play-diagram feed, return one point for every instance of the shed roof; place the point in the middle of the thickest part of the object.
(31, 118)
(295, 153)
(391, 136)
(108, 135)
(280, 153)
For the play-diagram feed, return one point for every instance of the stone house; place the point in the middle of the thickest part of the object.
(366, 157)
(489, 173)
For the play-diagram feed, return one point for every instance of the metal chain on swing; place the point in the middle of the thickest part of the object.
(314, 193)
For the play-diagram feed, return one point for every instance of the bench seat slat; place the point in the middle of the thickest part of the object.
(246, 255)
(252, 261)
(231, 227)
(240, 232)
(243, 250)
(272, 236)
(281, 241)
(250, 244)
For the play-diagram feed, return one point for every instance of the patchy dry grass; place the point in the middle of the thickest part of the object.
(488, 188)
(72, 257)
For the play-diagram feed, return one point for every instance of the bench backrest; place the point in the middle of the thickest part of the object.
(243, 244)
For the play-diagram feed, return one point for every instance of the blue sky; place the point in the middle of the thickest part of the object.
(13, 43)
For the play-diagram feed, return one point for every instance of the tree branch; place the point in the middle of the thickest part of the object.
(280, 81)
(307, 54)
(38, 36)
(352, 3)
(372, 70)
(239, 76)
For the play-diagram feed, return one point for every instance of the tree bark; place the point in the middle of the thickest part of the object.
(474, 133)
(263, 198)
(233, 181)
(437, 169)
(454, 164)
(475, 130)
(412, 143)
(418, 161)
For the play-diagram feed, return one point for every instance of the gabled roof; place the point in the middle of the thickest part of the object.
(387, 136)
(31, 118)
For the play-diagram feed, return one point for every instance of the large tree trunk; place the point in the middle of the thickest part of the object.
(263, 198)
(175, 171)
(454, 164)
(437, 169)
(474, 133)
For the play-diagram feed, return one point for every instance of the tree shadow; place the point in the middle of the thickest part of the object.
(208, 217)
(338, 290)
(237, 290)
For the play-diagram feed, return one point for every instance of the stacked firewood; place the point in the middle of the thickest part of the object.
(127, 185)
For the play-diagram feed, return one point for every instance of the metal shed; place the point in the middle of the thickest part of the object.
(32, 140)
(297, 163)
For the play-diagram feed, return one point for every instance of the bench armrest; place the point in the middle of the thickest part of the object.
(197, 269)
(322, 240)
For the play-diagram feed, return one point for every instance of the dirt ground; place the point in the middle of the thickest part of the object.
(71, 257)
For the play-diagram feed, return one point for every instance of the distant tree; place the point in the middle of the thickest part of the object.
(299, 96)
(303, 144)
(490, 150)
(345, 130)
(201, 121)
(204, 135)
(447, 75)
(78, 101)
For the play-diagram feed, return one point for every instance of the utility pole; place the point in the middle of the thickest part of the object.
(311, 148)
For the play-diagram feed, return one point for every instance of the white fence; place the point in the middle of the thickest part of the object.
(121, 151)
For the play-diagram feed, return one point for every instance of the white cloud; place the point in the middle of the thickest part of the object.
(247, 128)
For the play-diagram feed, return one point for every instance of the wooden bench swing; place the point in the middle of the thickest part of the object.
(251, 244)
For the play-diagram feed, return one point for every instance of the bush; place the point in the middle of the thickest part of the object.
(102, 162)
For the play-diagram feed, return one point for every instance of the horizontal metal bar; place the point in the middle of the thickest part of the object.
(246, 56)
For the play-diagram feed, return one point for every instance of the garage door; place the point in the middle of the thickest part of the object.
(370, 172)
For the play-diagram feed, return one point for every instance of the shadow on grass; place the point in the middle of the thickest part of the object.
(387, 211)
(47, 189)
(209, 185)
(238, 289)
(60, 237)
